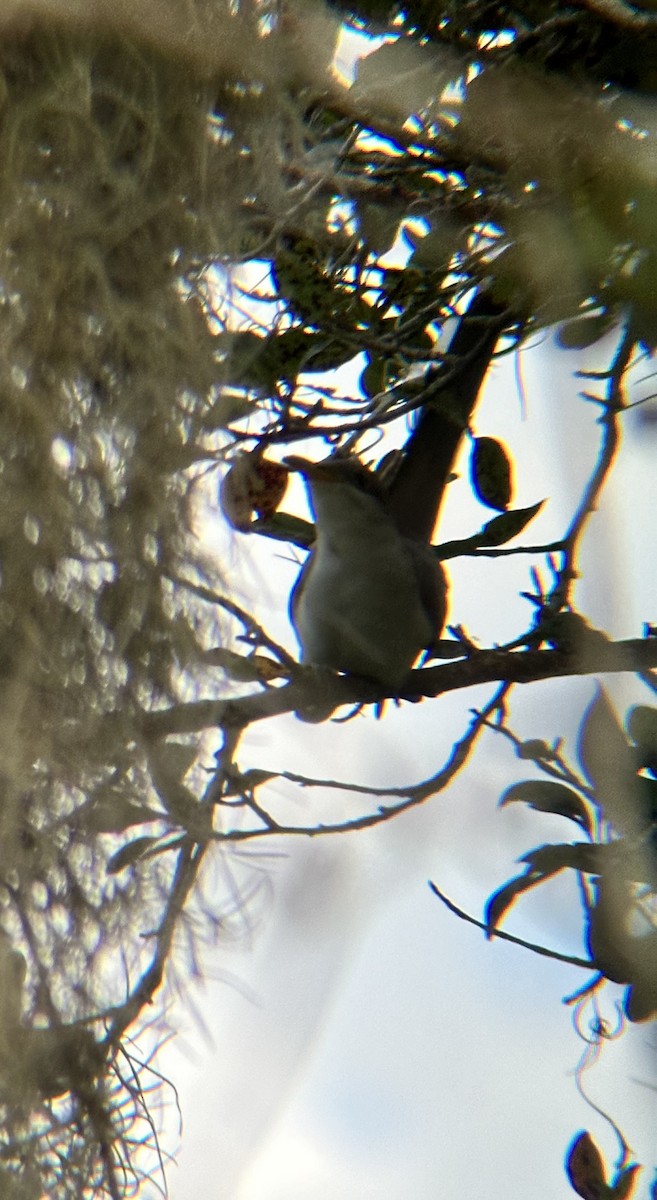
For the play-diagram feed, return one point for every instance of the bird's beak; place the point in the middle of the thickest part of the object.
(308, 468)
(294, 462)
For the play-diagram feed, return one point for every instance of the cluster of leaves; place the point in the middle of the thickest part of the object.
(614, 804)
(476, 136)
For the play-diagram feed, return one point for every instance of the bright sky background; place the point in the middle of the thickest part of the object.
(363, 1043)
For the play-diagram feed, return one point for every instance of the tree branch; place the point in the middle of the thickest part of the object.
(626, 16)
(319, 691)
(509, 937)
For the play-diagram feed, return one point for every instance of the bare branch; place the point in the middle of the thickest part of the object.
(626, 16)
(509, 937)
(313, 689)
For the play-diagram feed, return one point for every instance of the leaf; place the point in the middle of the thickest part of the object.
(502, 900)
(373, 377)
(585, 1168)
(542, 862)
(584, 331)
(608, 762)
(641, 725)
(623, 1183)
(378, 225)
(575, 856)
(494, 533)
(607, 936)
(544, 795)
(300, 281)
(130, 853)
(490, 472)
(240, 353)
(285, 527)
(112, 812)
(295, 351)
(535, 749)
(501, 529)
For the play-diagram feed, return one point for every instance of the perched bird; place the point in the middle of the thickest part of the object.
(372, 594)
(368, 600)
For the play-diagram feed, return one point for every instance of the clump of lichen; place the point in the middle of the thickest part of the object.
(116, 195)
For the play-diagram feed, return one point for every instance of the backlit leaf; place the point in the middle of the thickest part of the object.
(585, 1168)
(549, 796)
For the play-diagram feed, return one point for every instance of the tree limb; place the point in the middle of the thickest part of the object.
(312, 689)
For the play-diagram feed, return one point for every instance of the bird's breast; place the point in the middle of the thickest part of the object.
(358, 608)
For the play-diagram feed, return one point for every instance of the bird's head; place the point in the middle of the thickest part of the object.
(336, 470)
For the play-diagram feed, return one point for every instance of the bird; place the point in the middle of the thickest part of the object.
(368, 600)
(372, 593)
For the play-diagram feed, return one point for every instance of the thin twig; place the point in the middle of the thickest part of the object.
(509, 937)
(412, 796)
(610, 441)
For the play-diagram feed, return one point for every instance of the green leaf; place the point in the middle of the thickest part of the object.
(490, 472)
(502, 900)
(294, 351)
(608, 761)
(112, 812)
(494, 533)
(373, 377)
(641, 725)
(130, 853)
(623, 1183)
(508, 525)
(584, 331)
(552, 858)
(535, 749)
(548, 796)
(301, 282)
(378, 225)
(240, 354)
(585, 1168)
(285, 527)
